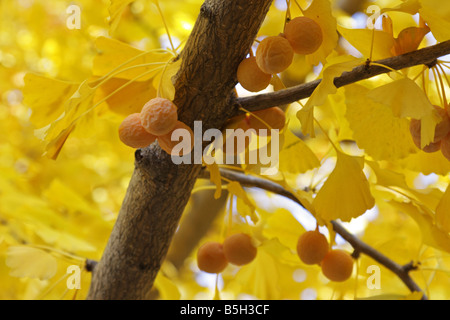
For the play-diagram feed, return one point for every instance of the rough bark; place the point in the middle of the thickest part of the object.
(159, 190)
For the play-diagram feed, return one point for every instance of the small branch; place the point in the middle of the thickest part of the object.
(359, 246)
(90, 265)
(401, 271)
(426, 56)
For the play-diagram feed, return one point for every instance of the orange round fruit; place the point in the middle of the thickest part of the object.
(304, 34)
(159, 116)
(133, 134)
(445, 147)
(443, 127)
(167, 142)
(429, 148)
(312, 246)
(274, 54)
(274, 117)
(337, 265)
(441, 130)
(251, 77)
(239, 249)
(211, 257)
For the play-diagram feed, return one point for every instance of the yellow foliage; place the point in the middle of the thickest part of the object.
(332, 69)
(346, 192)
(375, 128)
(320, 11)
(30, 262)
(64, 93)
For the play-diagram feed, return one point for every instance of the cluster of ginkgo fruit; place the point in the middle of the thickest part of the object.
(158, 118)
(441, 139)
(313, 248)
(237, 249)
(156, 121)
(302, 35)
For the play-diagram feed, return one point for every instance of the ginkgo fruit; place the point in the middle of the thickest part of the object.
(251, 77)
(239, 249)
(271, 118)
(168, 141)
(441, 130)
(274, 54)
(337, 265)
(312, 246)
(304, 34)
(133, 134)
(159, 116)
(445, 147)
(211, 257)
(443, 127)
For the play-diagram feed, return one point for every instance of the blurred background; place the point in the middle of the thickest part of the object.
(67, 206)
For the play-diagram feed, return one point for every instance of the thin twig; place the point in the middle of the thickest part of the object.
(359, 246)
(426, 56)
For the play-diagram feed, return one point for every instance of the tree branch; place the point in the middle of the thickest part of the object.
(159, 189)
(360, 247)
(426, 56)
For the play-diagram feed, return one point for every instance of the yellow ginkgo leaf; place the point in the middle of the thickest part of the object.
(404, 97)
(260, 278)
(126, 99)
(46, 97)
(167, 289)
(54, 146)
(128, 61)
(77, 106)
(388, 178)
(320, 11)
(409, 39)
(163, 83)
(407, 6)
(282, 225)
(443, 211)
(427, 199)
(306, 118)
(116, 9)
(65, 241)
(436, 14)
(427, 163)
(30, 262)
(326, 87)
(375, 129)
(236, 189)
(427, 130)
(295, 148)
(432, 234)
(215, 178)
(346, 192)
(361, 39)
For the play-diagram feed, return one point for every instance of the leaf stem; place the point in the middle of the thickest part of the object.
(165, 25)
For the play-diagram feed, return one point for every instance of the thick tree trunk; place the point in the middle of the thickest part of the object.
(159, 190)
